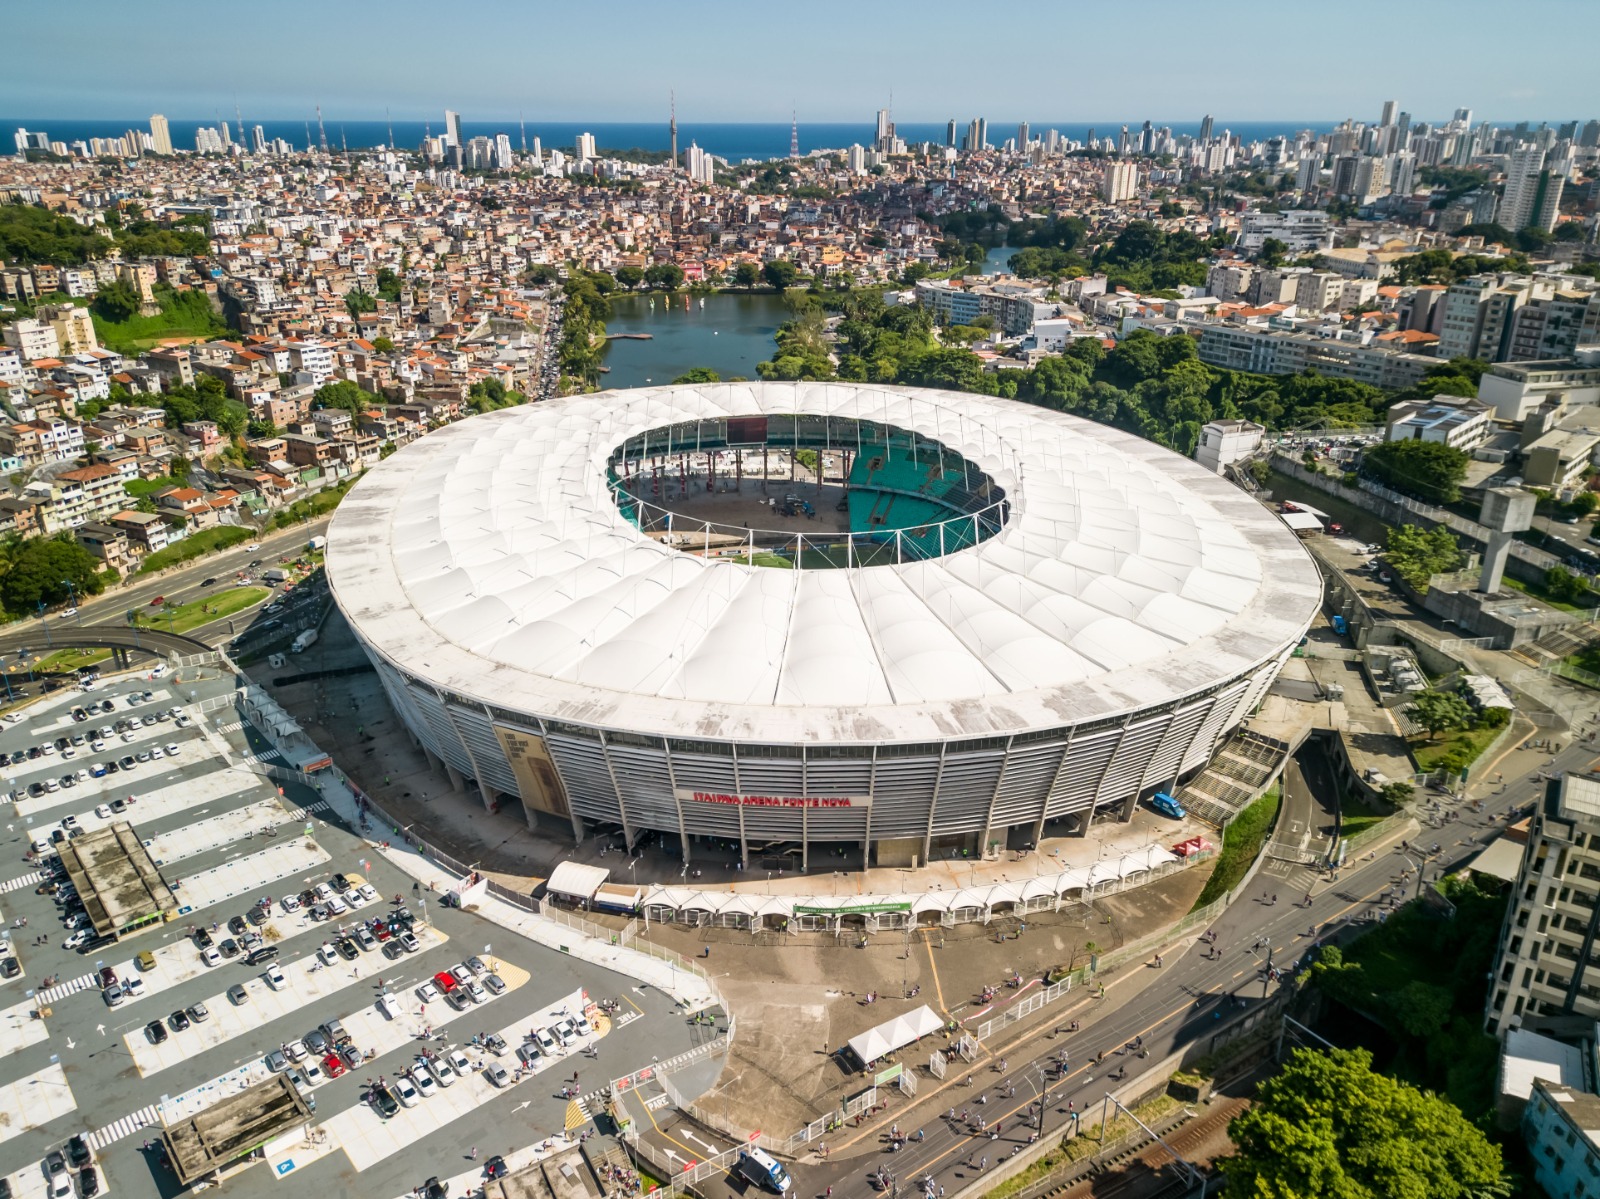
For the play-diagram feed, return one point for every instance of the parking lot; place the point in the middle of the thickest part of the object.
(288, 952)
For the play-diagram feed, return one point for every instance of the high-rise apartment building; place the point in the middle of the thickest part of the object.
(160, 135)
(697, 164)
(1023, 137)
(585, 148)
(1544, 961)
(1120, 182)
(1205, 128)
(1524, 167)
(1389, 107)
(856, 160)
(950, 133)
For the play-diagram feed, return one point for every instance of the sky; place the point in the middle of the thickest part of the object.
(1067, 61)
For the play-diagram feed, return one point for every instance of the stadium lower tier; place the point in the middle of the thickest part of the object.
(891, 804)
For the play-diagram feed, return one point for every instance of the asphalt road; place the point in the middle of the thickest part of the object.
(1180, 1003)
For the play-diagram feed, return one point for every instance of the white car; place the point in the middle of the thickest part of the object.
(252, 547)
(368, 893)
(443, 1071)
(328, 954)
(103, 811)
(313, 1072)
(210, 956)
(61, 1184)
(66, 612)
(427, 1087)
(97, 745)
(459, 1062)
(78, 939)
(427, 992)
(337, 906)
(183, 722)
(275, 979)
(172, 750)
(296, 1050)
(155, 752)
(323, 892)
(133, 987)
(405, 1092)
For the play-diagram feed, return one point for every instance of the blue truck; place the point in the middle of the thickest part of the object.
(1167, 806)
(1339, 625)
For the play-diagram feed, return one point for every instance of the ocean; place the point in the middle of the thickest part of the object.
(732, 141)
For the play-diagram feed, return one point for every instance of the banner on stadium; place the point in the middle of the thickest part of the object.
(687, 795)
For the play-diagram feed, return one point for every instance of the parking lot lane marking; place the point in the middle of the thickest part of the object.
(19, 1028)
(30, 1102)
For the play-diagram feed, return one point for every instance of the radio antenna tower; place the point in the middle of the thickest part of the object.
(673, 126)
(322, 133)
(794, 134)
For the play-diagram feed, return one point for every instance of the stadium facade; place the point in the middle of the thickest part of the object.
(814, 618)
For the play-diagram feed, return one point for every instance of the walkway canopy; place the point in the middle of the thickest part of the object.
(576, 881)
(894, 1034)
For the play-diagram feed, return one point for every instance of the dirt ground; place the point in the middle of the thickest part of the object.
(799, 999)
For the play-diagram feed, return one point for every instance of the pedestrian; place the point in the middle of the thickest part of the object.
(474, 1153)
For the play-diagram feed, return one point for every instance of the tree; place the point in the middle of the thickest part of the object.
(668, 275)
(746, 274)
(383, 345)
(357, 301)
(1429, 469)
(1565, 587)
(345, 394)
(42, 570)
(1327, 1127)
(1438, 711)
(116, 301)
(780, 273)
(630, 276)
(1273, 252)
(390, 284)
(1397, 794)
(699, 374)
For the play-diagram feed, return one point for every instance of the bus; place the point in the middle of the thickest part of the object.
(761, 1168)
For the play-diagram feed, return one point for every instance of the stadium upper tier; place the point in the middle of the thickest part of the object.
(493, 559)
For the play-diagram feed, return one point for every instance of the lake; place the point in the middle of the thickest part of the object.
(730, 334)
(994, 262)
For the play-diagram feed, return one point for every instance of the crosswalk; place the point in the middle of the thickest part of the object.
(145, 1117)
(16, 884)
(233, 726)
(81, 983)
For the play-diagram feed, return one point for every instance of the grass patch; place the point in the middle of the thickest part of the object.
(1356, 815)
(195, 545)
(1538, 592)
(313, 506)
(1080, 1147)
(1471, 742)
(70, 659)
(1241, 842)
(139, 488)
(776, 561)
(201, 611)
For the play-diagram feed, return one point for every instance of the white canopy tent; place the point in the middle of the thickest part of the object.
(575, 880)
(894, 1034)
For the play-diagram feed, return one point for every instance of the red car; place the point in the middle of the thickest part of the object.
(446, 981)
(332, 1066)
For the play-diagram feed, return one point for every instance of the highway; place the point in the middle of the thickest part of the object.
(1196, 989)
(103, 619)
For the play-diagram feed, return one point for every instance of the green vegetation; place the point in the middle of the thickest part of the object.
(583, 326)
(140, 488)
(1075, 1149)
(1356, 815)
(196, 545)
(699, 374)
(1441, 266)
(31, 235)
(346, 395)
(184, 315)
(1430, 470)
(1153, 386)
(311, 507)
(762, 558)
(1438, 711)
(1455, 750)
(1417, 554)
(491, 395)
(183, 617)
(1560, 589)
(1425, 979)
(45, 570)
(1327, 1125)
(64, 660)
(1241, 842)
(206, 400)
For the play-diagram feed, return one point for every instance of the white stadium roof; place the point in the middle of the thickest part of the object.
(490, 559)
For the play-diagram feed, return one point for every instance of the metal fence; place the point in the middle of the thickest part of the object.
(1023, 1008)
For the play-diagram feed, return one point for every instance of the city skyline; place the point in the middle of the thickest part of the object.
(694, 49)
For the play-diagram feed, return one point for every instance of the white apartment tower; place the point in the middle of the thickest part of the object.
(1121, 181)
(585, 147)
(160, 135)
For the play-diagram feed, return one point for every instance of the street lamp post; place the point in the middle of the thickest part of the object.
(46, 626)
(72, 596)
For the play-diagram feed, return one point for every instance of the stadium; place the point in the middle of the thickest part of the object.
(814, 618)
